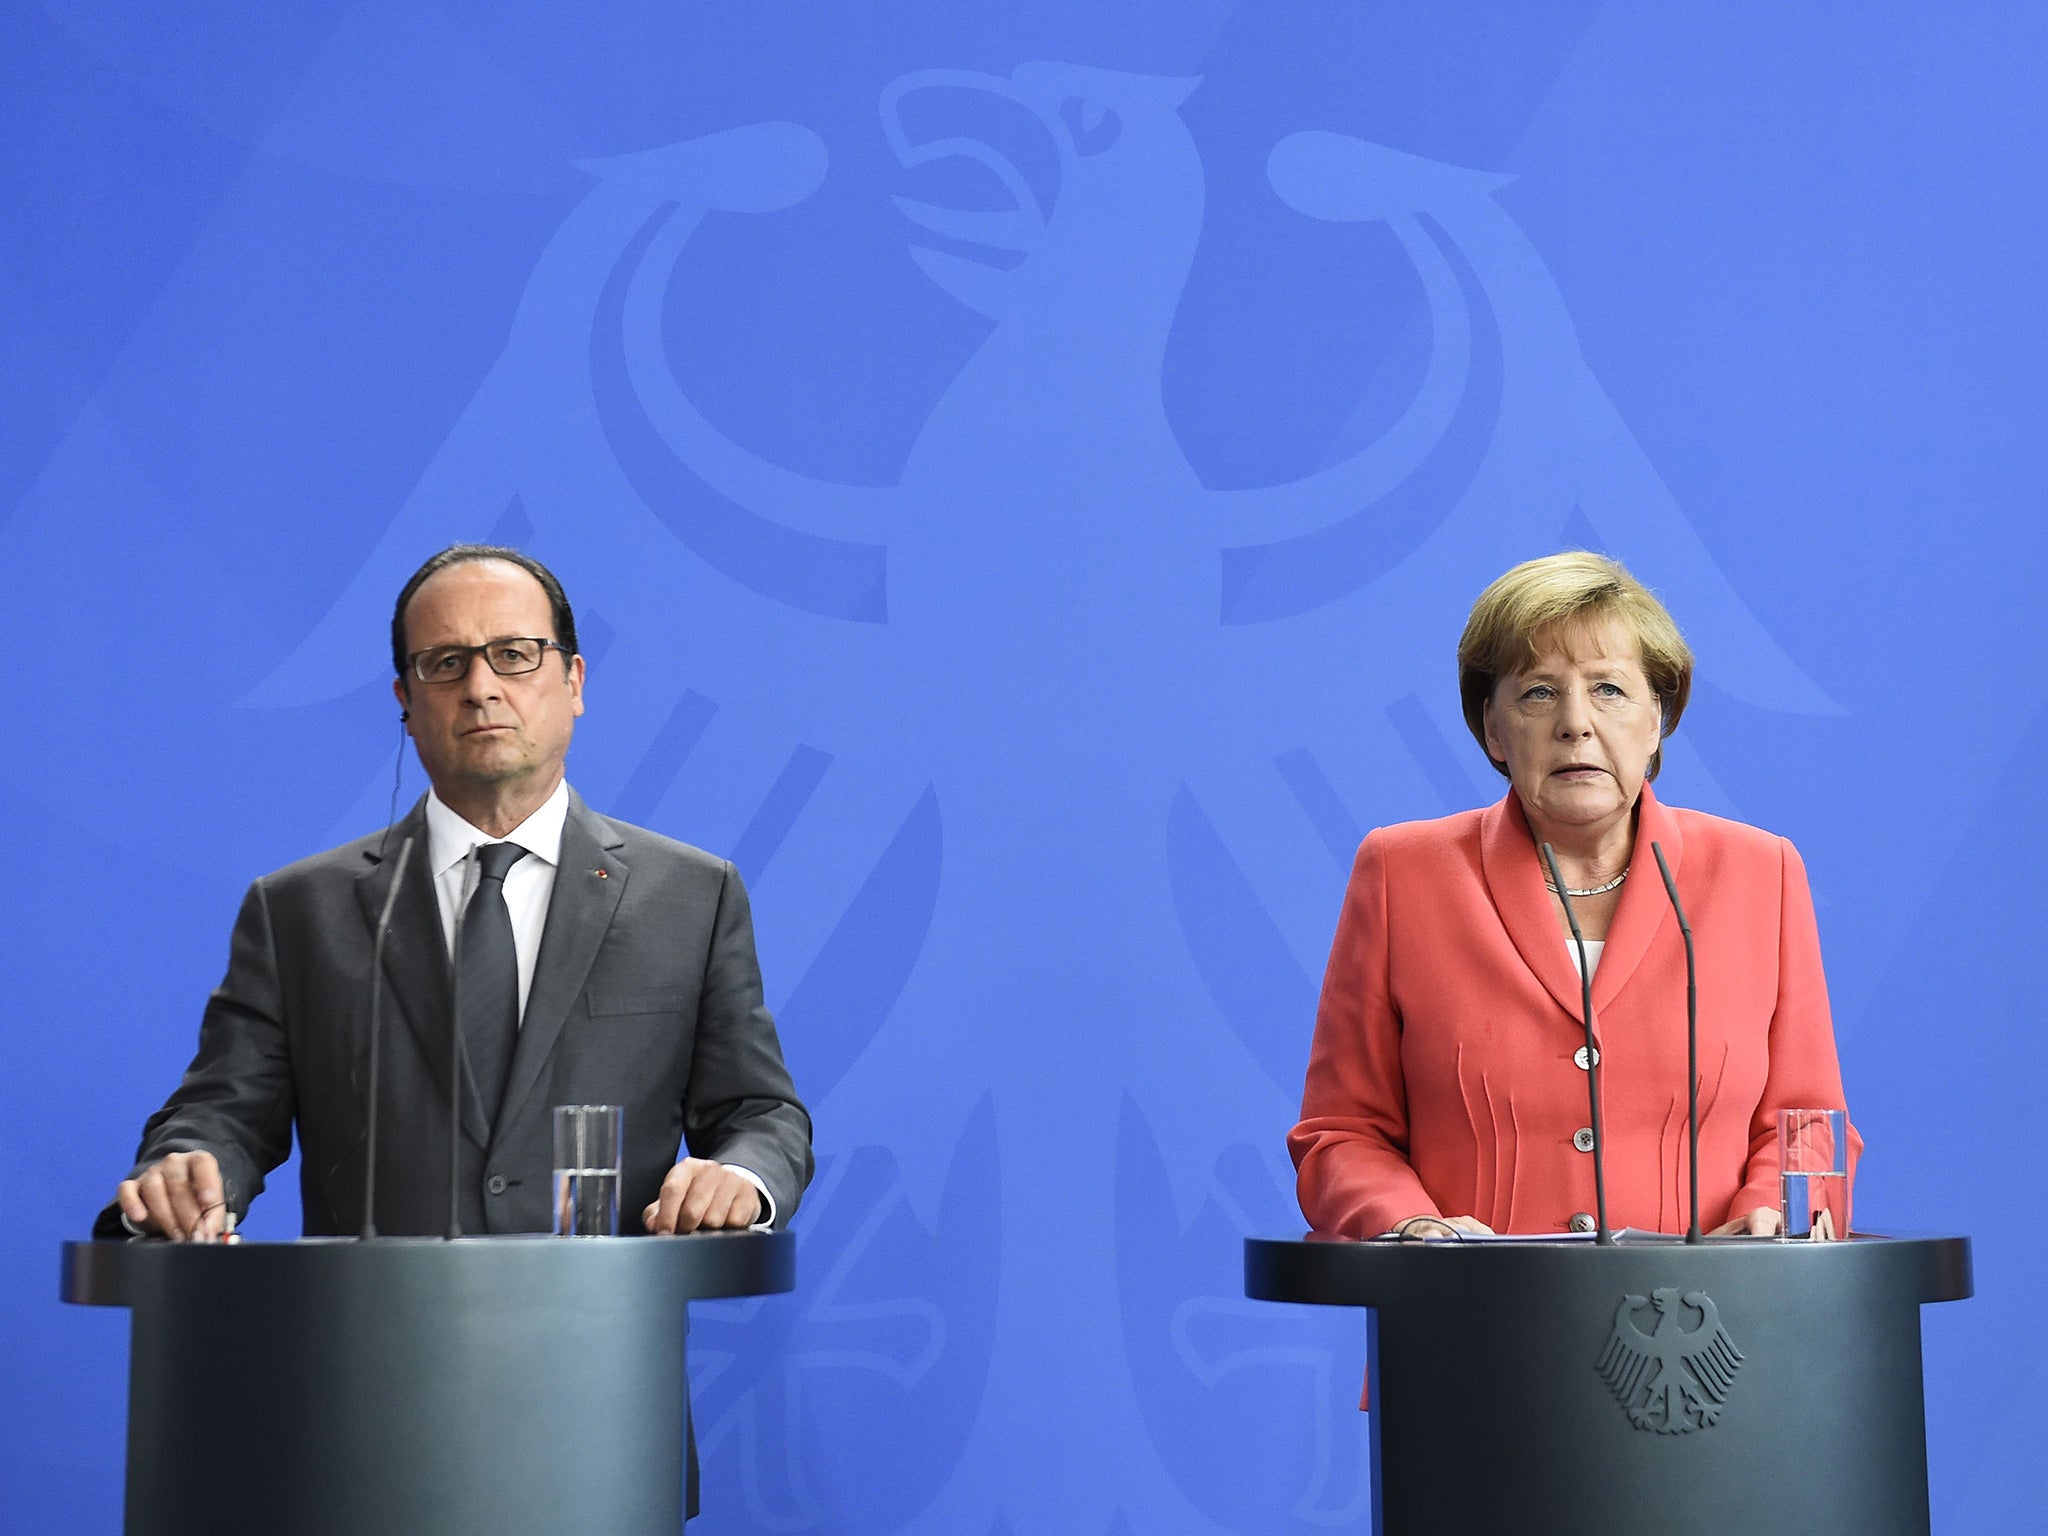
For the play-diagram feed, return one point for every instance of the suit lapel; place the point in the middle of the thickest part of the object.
(416, 956)
(1514, 879)
(1644, 908)
(589, 881)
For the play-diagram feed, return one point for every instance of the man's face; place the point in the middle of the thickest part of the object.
(488, 735)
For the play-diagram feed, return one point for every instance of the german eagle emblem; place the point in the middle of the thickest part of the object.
(1673, 1379)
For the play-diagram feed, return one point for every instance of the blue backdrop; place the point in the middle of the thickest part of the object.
(1023, 470)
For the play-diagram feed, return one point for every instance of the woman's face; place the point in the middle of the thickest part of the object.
(1577, 727)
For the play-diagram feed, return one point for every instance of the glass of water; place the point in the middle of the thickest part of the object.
(587, 1142)
(1813, 1172)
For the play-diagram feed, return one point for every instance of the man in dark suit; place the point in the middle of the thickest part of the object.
(599, 964)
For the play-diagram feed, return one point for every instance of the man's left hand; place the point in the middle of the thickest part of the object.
(702, 1196)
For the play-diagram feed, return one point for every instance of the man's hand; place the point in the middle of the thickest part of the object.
(702, 1196)
(1761, 1222)
(181, 1197)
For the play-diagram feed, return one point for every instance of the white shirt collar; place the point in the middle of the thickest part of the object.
(449, 837)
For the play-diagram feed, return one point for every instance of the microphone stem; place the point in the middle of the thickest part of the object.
(376, 1034)
(1601, 1234)
(455, 1054)
(1692, 1044)
(1692, 1083)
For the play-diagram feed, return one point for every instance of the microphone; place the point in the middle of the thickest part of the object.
(470, 876)
(1692, 1044)
(376, 1032)
(1601, 1235)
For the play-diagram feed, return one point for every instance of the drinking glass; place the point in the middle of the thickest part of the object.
(1813, 1172)
(587, 1142)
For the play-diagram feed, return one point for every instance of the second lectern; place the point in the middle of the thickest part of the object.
(1649, 1388)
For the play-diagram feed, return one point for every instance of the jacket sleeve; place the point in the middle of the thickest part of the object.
(1803, 1071)
(236, 1097)
(740, 1106)
(1350, 1149)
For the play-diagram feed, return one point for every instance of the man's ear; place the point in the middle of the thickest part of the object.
(576, 685)
(403, 693)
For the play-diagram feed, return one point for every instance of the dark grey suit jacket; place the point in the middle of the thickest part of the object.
(646, 993)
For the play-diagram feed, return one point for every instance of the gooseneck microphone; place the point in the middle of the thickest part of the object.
(376, 1033)
(1692, 1044)
(1601, 1234)
(455, 1053)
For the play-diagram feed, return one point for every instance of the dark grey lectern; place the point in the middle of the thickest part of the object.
(1651, 1387)
(500, 1385)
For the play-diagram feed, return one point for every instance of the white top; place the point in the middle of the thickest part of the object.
(529, 884)
(1593, 949)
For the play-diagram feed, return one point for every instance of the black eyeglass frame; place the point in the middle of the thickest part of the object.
(469, 653)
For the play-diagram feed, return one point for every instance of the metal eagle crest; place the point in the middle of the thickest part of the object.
(1672, 1379)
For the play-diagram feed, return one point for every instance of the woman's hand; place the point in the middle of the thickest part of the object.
(1441, 1226)
(1764, 1221)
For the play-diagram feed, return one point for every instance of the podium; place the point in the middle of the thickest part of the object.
(501, 1385)
(1649, 1387)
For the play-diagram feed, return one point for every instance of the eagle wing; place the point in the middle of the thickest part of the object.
(1710, 1356)
(1630, 1354)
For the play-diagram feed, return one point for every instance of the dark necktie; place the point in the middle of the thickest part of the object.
(490, 977)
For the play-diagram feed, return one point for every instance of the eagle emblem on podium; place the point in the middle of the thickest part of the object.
(1674, 1378)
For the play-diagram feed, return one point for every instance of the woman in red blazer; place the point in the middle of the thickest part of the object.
(1447, 1087)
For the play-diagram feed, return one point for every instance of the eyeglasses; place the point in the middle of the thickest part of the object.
(510, 657)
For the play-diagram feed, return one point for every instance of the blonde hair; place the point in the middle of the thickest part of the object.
(1569, 592)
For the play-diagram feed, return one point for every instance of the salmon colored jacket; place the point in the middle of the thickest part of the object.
(1444, 1079)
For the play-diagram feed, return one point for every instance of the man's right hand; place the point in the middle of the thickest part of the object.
(181, 1197)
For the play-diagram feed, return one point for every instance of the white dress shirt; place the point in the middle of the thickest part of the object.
(529, 886)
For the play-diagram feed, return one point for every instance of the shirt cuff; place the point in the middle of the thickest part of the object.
(767, 1200)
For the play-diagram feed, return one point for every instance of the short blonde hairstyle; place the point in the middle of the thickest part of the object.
(1521, 611)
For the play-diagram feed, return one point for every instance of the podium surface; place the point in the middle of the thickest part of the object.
(508, 1385)
(1744, 1384)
